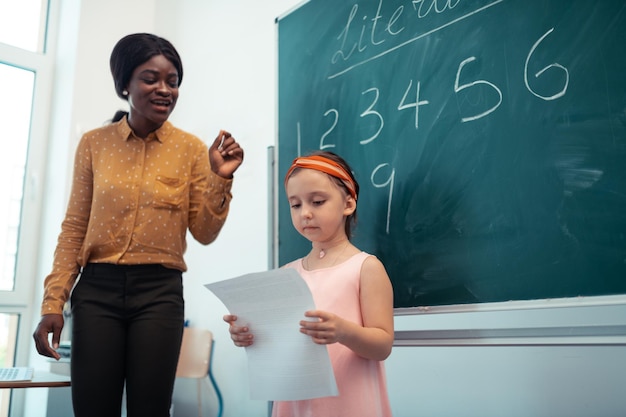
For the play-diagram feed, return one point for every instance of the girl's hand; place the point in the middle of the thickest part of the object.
(328, 328)
(240, 334)
(225, 155)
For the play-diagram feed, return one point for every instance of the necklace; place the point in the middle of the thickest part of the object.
(323, 253)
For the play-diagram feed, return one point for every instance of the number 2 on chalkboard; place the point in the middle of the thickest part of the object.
(335, 114)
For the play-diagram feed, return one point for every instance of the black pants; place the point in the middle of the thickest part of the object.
(127, 326)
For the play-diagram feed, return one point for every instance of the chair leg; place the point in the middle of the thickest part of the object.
(198, 386)
(220, 400)
(218, 393)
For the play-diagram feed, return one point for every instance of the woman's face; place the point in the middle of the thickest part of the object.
(152, 94)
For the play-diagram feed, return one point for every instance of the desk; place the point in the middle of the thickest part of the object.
(41, 379)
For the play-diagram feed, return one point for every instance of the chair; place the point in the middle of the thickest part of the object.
(196, 354)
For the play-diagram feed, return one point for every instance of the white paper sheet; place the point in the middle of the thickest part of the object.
(284, 364)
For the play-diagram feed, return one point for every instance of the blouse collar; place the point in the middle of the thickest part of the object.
(161, 134)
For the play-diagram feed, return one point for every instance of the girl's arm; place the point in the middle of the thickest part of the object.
(374, 339)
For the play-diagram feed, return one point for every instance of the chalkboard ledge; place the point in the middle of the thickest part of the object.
(566, 321)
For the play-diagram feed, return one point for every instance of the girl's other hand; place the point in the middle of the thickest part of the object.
(326, 328)
(240, 335)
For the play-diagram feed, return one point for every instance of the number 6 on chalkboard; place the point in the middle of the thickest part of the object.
(555, 65)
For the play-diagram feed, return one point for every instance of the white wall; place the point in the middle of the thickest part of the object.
(229, 54)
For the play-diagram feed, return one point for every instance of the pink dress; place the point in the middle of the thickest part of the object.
(361, 382)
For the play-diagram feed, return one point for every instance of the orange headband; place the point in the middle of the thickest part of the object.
(328, 166)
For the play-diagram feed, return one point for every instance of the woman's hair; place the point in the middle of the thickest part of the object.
(352, 218)
(133, 50)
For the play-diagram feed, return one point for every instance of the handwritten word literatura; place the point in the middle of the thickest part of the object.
(385, 32)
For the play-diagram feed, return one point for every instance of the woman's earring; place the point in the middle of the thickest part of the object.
(124, 93)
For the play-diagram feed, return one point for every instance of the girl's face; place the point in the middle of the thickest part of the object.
(152, 94)
(319, 207)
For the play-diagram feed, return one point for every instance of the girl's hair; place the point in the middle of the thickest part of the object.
(352, 218)
(133, 50)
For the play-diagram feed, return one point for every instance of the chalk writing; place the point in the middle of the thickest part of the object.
(458, 88)
(374, 115)
(351, 42)
(538, 74)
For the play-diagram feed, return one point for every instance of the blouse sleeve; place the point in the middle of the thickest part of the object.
(65, 269)
(209, 202)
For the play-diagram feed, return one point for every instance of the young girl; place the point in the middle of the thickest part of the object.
(351, 289)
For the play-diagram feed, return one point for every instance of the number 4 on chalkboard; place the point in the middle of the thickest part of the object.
(416, 104)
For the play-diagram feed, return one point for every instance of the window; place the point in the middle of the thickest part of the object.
(22, 23)
(25, 69)
(16, 112)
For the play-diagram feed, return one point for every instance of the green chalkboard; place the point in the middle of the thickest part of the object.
(488, 137)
